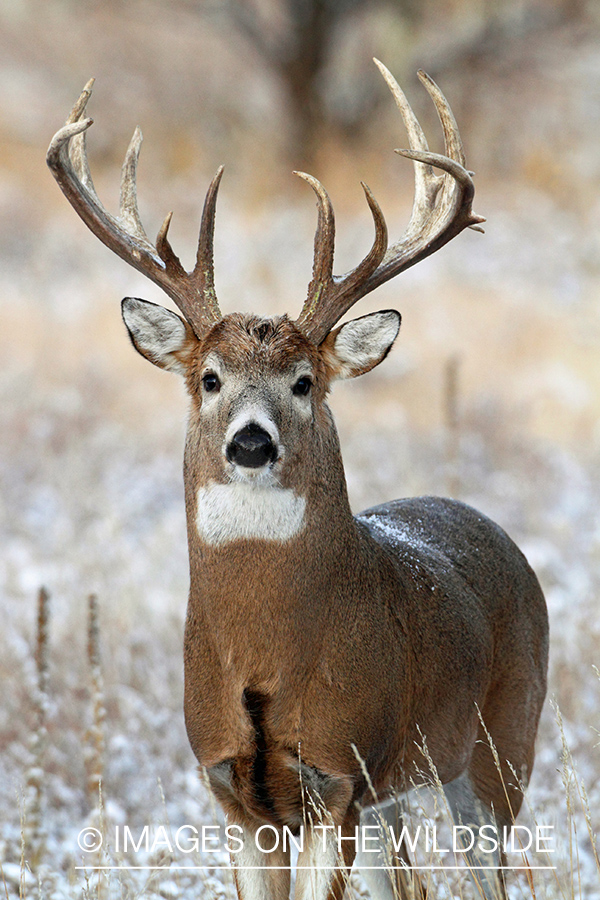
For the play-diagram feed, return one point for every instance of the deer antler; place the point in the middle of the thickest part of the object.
(193, 292)
(442, 208)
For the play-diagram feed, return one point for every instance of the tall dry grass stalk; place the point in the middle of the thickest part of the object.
(33, 835)
(95, 741)
(452, 425)
(576, 796)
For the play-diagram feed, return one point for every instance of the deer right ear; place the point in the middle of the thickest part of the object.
(358, 346)
(160, 335)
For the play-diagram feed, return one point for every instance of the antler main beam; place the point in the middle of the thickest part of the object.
(193, 292)
(442, 208)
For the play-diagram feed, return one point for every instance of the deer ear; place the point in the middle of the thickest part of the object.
(358, 346)
(160, 335)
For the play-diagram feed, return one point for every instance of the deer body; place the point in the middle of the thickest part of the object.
(358, 656)
(336, 628)
(323, 650)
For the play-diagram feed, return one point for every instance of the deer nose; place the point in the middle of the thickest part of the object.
(252, 447)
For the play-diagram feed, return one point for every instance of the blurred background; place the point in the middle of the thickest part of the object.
(492, 392)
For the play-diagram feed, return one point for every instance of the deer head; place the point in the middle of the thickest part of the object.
(257, 431)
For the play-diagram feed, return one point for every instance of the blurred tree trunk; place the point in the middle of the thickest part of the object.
(296, 42)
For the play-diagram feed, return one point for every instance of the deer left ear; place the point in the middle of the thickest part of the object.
(358, 346)
(161, 336)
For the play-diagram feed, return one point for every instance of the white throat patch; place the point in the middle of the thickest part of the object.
(238, 511)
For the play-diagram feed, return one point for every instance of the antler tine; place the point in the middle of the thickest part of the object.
(204, 270)
(442, 208)
(452, 140)
(128, 204)
(322, 274)
(78, 142)
(327, 299)
(124, 234)
(427, 183)
(80, 104)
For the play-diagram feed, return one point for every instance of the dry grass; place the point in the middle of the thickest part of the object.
(571, 868)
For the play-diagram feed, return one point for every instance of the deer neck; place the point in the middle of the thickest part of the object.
(260, 531)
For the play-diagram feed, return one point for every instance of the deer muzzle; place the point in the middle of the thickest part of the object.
(251, 447)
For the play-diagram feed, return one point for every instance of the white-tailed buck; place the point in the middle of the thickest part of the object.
(322, 647)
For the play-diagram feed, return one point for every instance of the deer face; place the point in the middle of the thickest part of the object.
(259, 425)
(258, 386)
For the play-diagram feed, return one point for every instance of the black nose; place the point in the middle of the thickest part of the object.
(251, 447)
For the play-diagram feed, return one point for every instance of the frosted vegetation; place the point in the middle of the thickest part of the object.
(492, 393)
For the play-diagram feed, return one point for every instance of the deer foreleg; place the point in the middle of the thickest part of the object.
(468, 810)
(261, 875)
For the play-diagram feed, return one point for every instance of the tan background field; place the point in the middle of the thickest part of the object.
(491, 393)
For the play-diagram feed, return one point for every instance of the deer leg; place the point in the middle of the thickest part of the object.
(325, 863)
(469, 811)
(503, 756)
(502, 761)
(348, 842)
(387, 872)
(317, 863)
(261, 874)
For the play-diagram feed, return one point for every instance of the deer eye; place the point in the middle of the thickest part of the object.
(302, 387)
(211, 382)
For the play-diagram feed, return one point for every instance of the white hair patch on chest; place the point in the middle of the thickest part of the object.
(230, 512)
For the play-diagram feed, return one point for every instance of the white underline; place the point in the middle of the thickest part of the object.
(316, 868)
